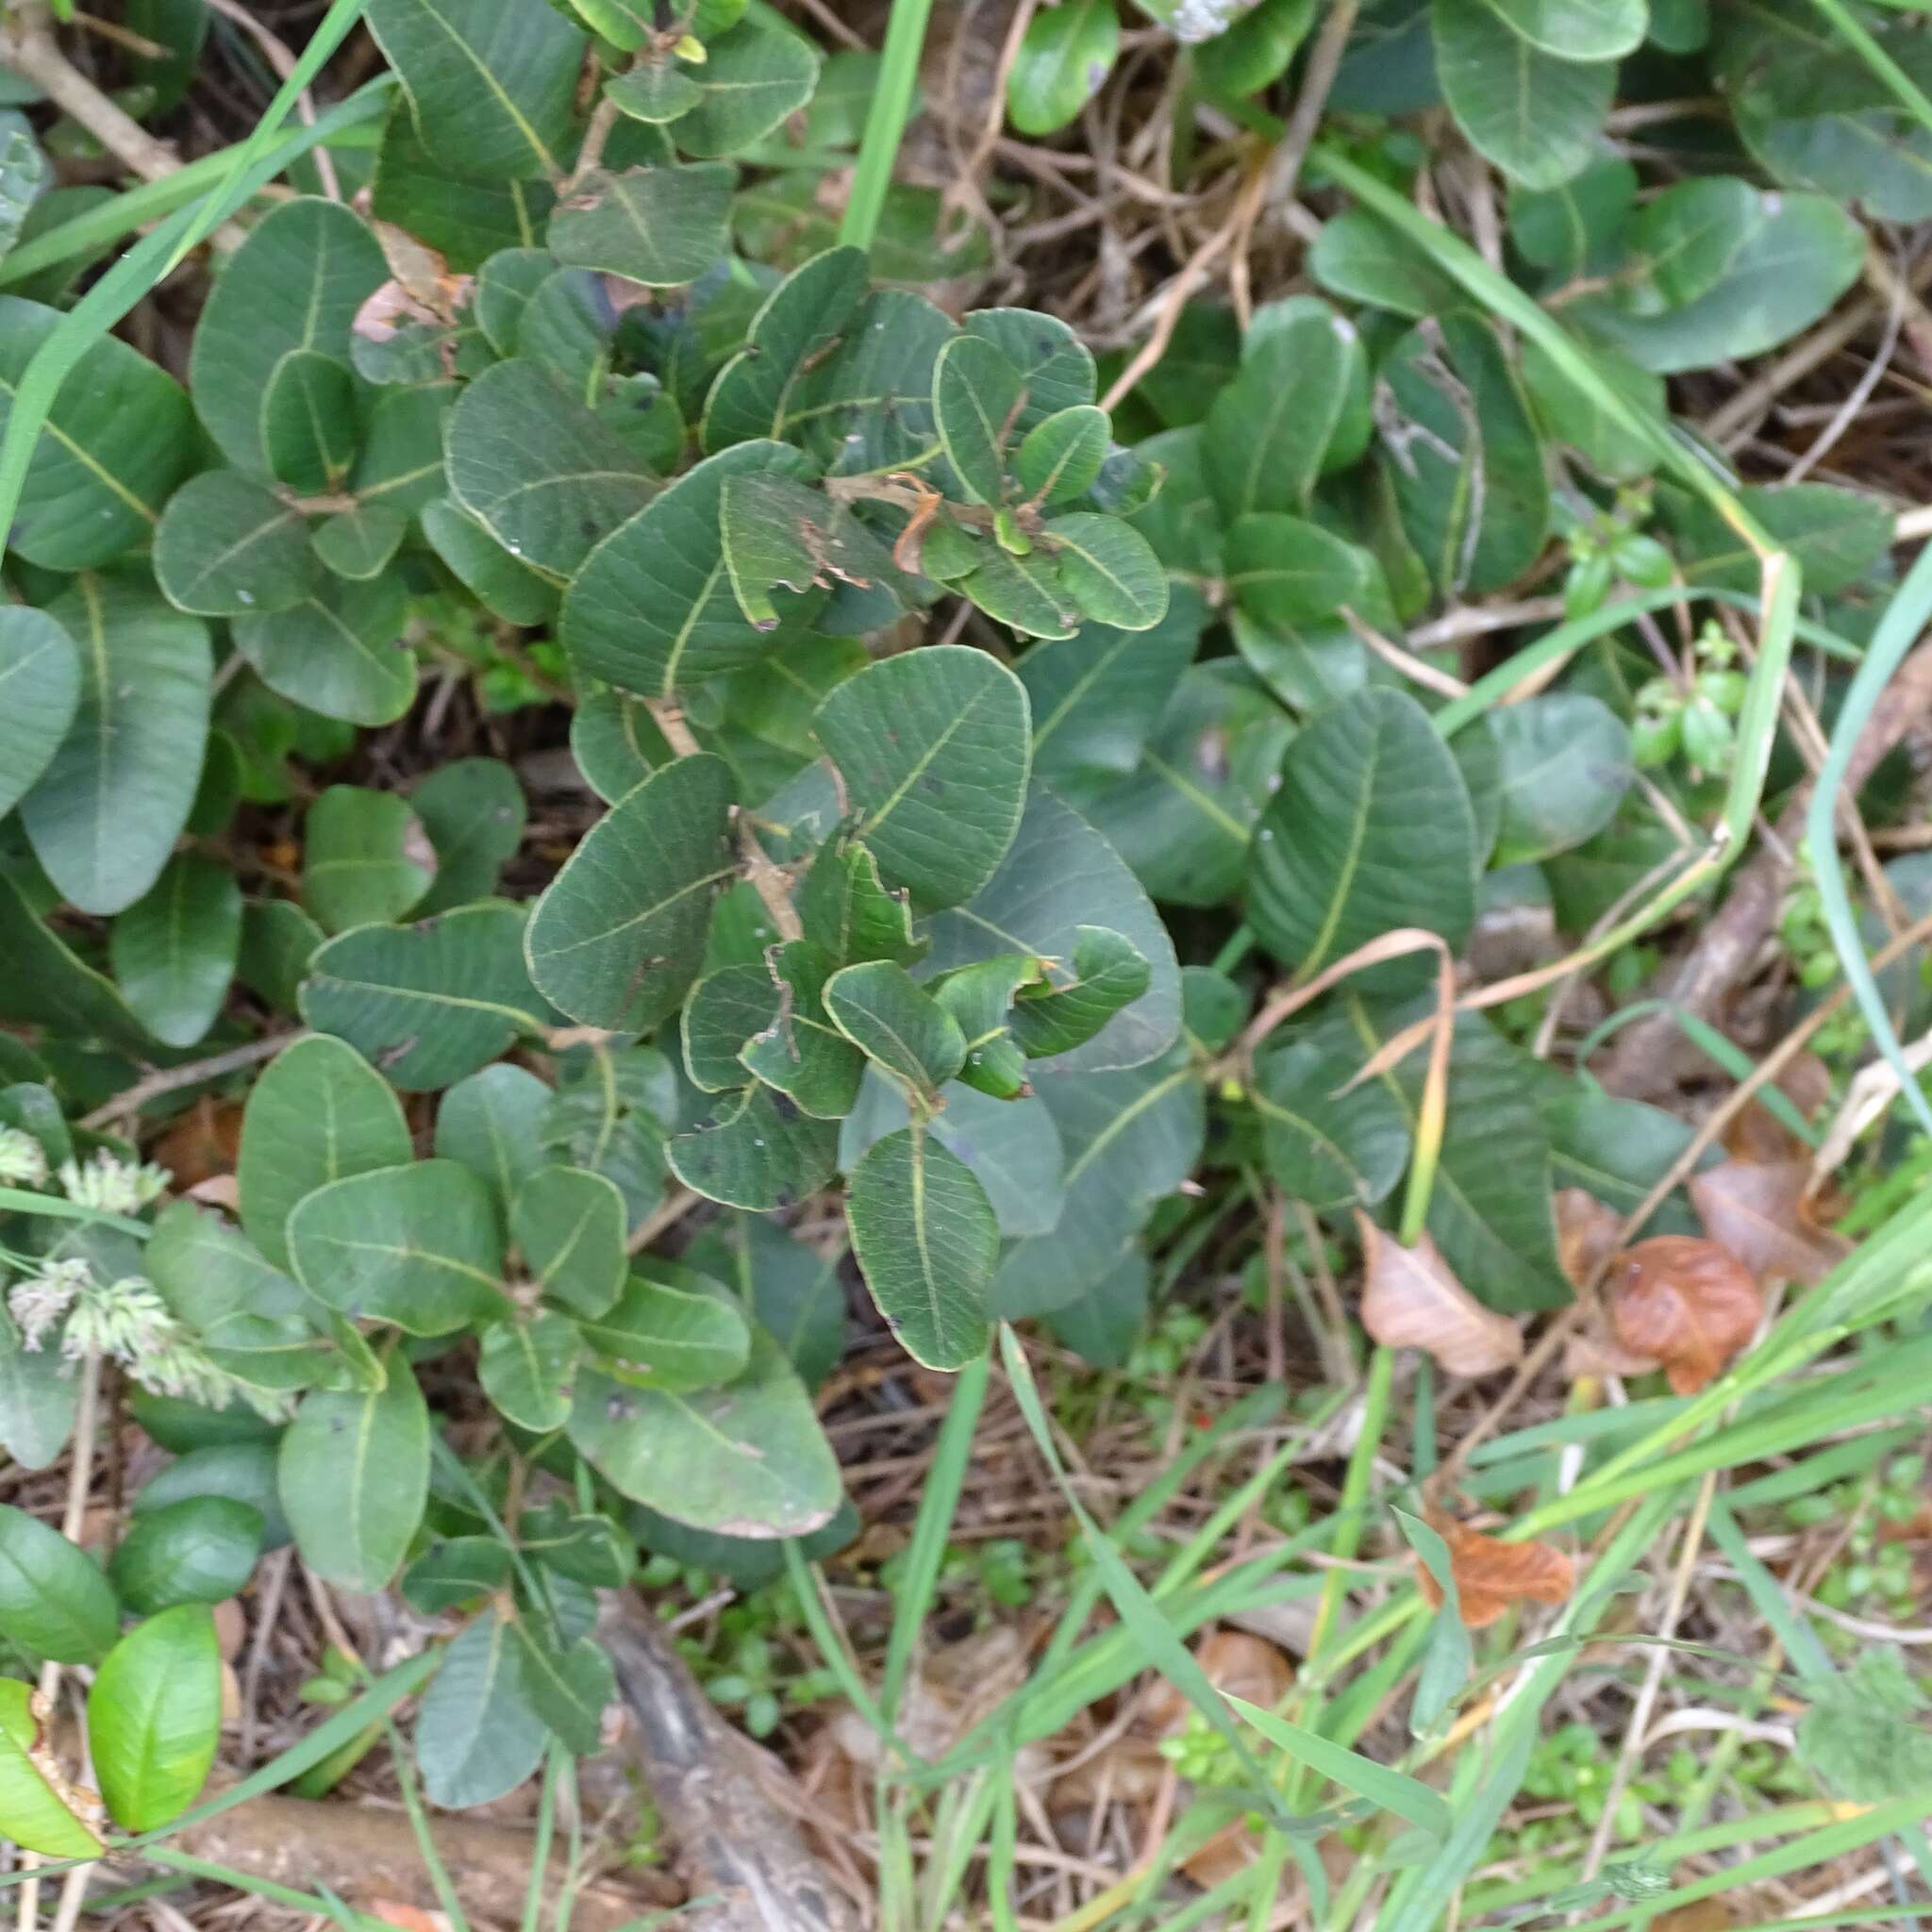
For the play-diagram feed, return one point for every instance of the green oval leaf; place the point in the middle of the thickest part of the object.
(925, 1236)
(154, 1717)
(228, 545)
(197, 1551)
(935, 747)
(174, 950)
(1065, 54)
(660, 226)
(353, 1473)
(36, 1811)
(477, 1734)
(54, 1600)
(339, 651)
(39, 691)
(569, 1227)
(617, 938)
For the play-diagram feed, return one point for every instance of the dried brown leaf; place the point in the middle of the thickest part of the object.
(1586, 1233)
(1757, 1211)
(1491, 1574)
(1757, 1134)
(1411, 1300)
(1688, 1302)
(1594, 1351)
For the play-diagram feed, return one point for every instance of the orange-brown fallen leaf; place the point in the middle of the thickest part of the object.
(1757, 1134)
(1411, 1300)
(1688, 1302)
(1587, 1232)
(1757, 1211)
(1491, 1574)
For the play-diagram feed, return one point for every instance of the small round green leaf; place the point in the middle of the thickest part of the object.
(229, 546)
(1065, 54)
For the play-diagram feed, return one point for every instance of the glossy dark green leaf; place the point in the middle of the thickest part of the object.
(55, 1604)
(925, 1236)
(365, 858)
(492, 89)
(418, 1245)
(569, 1227)
(431, 1002)
(119, 436)
(654, 608)
(1063, 57)
(354, 1475)
(154, 1717)
(934, 746)
(980, 999)
(319, 1113)
(617, 938)
(197, 1551)
(339, 651)
(228, 545)
(538, 469)
(1059, 876)
(1372, 829)
(660, 226)
(477, 1734)
(295, 286)
(748, 1460)
(662, 1335)
(174, 950)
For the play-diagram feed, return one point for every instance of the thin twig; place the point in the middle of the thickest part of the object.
(171, 1079)
(283, 63)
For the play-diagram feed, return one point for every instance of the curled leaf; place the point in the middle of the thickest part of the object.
(1688, 1302)
(1757, 1211)
(1411, 1300)
(1586, 1233)
(1491, 1574)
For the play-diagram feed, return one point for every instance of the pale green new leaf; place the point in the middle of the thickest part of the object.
(154, 1717)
